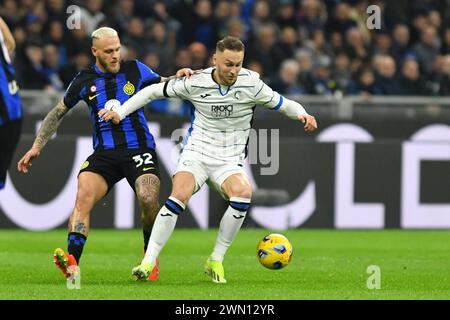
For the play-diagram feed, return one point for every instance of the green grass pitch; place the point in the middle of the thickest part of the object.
(327, 264)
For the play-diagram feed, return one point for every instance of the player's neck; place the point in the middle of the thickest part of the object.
(100, 67)
(216, 78)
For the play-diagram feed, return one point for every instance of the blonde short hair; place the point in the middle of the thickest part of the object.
(103, 32)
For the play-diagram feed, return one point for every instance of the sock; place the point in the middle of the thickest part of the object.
(229, 226)
(162, 228)
(75, 244)
(146, 238)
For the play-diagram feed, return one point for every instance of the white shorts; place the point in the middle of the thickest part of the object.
(213, 172)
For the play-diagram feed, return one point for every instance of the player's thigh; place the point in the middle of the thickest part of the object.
(140, 168)
(237, 185)
(91, 187)
(189, 177)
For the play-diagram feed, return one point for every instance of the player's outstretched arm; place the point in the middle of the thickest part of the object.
(140, 99)
(295, 111)
(48, 128)
(7, 35)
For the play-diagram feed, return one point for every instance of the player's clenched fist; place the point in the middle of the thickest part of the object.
(309, 121)
(27, 159)
(108, 115)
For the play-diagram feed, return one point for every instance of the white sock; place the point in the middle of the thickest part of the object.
(162, 228)
(229, 226)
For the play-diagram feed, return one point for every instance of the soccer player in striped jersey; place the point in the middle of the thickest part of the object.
(10, 105)
(125, 150)
(224, 98)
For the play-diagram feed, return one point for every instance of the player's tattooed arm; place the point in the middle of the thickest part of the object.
(50, 125)
(184, 72)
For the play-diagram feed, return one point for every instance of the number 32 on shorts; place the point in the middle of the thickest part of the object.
(145, 158)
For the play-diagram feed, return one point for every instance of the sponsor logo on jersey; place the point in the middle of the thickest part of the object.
(128, 88)
(222, 110)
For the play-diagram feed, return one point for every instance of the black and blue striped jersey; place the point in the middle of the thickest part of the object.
(10, 105)
(97, 88)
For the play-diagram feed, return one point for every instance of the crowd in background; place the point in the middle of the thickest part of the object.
(298, 47)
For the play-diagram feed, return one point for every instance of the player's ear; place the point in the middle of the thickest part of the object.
(94, 51)
(214, 59)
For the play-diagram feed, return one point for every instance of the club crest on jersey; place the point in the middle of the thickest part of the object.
(93, 88)
(222, 110)
(128, 88)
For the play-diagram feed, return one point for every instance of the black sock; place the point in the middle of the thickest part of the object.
(146, 239)
(75, 244)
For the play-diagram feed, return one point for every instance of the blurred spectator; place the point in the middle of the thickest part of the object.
(286, 14)
(383, 43)
(56, 10)
(364, 84)
(323, 82)
(287, 80)
(183, 59)
(163, 48)
(261, 15)
(445, 48)
(356, 49)
(400, 45)
(79, 61)
(264, 50)
(340, 20)
(135, 36)
(32, 69)
(288, 43)
(311, 17)
(411, 82)
(199, 56)
(341, 71)
(151, 59)
(386, 82)
(123, 14)
(52, 66)
(92, 15)
(305, 62)
(427, 48)
(201, 28)
(444, 84)
(78, 40)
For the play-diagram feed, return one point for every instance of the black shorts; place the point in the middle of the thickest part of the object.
(114, 165)
(9, 138)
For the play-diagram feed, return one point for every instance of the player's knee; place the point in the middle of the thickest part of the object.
(181, 195)
(241, 191)
(85, 197)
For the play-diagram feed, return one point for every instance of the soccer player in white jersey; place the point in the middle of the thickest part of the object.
(224, 98)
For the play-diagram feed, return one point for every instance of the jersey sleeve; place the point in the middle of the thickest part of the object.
(178, 88)
(267, 97)
(148, 76)
(73, 93)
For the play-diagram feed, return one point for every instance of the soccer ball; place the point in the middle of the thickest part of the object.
(274, 251)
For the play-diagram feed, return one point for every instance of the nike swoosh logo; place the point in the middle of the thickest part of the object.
(92, 97)
(204, 95)
(165, 215)
(146, 169)
(238, 217)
